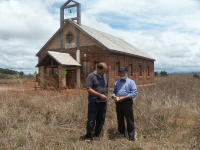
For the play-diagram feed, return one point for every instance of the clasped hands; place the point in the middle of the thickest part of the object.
(119, 99)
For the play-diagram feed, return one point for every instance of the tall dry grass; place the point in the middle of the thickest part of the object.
(166, 117)
(15, 79)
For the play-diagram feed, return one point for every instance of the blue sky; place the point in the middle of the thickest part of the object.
(167, 30)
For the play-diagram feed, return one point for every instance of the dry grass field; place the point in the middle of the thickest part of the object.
(167, 117)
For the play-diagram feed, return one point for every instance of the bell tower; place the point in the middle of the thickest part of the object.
(68, 5)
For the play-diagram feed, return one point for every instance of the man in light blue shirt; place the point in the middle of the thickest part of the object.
(123, 93)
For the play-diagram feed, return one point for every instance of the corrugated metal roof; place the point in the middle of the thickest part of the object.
(113, 43)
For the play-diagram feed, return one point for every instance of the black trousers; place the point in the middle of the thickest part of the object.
(125, 109)
(96, 115)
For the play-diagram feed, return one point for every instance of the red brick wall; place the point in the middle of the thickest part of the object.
(94, 53)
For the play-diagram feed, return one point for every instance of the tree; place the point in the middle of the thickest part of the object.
(156, 74)
(21, 73)
(8, 71)
(163, 73)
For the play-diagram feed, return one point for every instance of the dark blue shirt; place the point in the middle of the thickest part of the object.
(98, 84)
(125, 87)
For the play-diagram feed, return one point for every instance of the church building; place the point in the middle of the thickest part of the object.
(75, 50)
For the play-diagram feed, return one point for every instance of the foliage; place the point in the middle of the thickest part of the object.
(163, 73)
(156, 74)
(63, 75)
(8, 71)
(196, 76)
(60, 78)
(35, 73)
(21, 73)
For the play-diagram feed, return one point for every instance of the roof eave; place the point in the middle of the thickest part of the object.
(114, 51)
(47, 54)
(54, 59)
(41, 60)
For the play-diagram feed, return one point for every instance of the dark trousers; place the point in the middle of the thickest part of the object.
(96, 115)
(125, 109)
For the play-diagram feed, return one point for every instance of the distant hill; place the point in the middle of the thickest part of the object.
(186, 72)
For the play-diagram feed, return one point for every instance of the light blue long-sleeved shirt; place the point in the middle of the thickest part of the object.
(125, 88)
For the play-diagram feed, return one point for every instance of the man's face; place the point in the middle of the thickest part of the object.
(123, 73)
(102, 71)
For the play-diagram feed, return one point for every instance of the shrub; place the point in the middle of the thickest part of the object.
(196, 76)
(163, 73)
(156, 74)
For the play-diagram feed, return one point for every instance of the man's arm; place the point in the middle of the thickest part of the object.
(94, 93)
(133, 90)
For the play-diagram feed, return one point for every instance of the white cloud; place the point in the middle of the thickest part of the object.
(165, 29)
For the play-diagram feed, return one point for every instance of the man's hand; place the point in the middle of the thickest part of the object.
(93, 92)
(116, 98)
(119, 99)
(103, 97)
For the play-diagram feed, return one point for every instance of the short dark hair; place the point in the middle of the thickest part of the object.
(101, 65)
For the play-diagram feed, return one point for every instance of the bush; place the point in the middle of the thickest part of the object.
(163, 73)
(156, 74)
(196, 76)
(21, 73)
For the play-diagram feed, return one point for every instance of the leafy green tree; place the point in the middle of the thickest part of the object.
(156, 74)
(8, 71)
(163, 73)
(21, 73)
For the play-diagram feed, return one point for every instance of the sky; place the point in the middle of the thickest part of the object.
(167, 30)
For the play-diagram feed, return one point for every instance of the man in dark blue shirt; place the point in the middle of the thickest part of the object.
(123, 93)
(97, 87)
